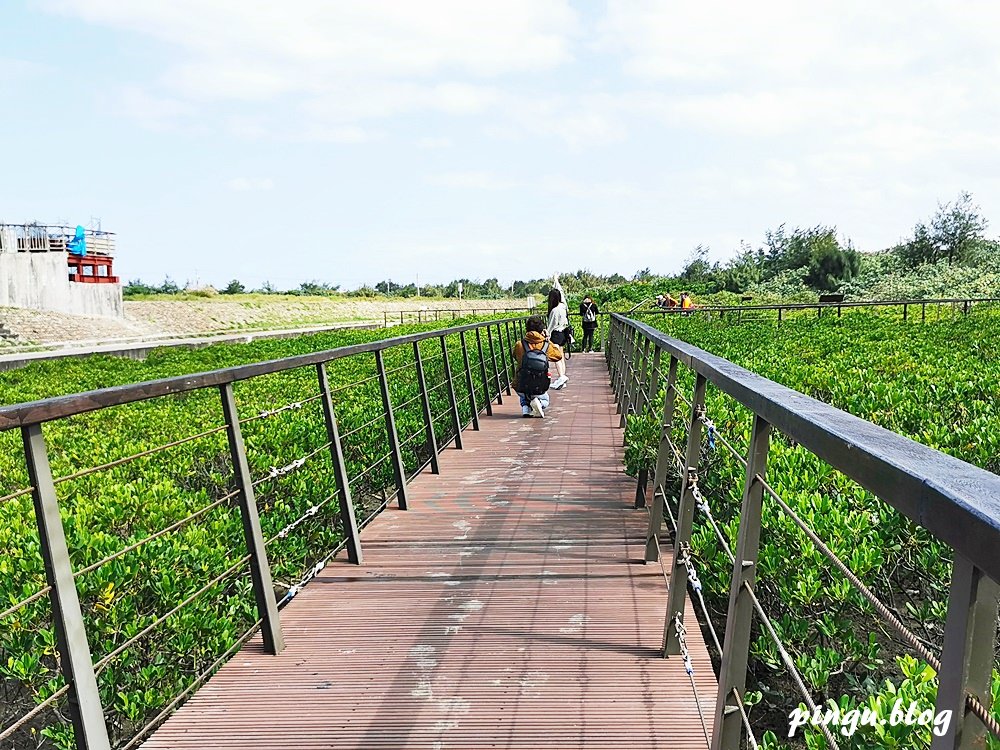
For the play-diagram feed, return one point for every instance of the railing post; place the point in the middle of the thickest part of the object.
(779, 314)
(664, 458)
(469, 382)
(390, 429)
(611, 355)
(496, 370)
(456, 418)
(425, 407)
(640, 488)
(260, 570)
(736, 646)
(509, 359)
(621, 371)
(677, 592)
(923, 312)
(84, 701)
(905, 310)
(967, 655)
(505, 354)
(653, 383)
(347, 520)
(487, 398)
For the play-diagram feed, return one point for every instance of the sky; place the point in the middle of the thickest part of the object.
(349, 142)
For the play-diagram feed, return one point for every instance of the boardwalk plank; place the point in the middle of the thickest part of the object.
(508, 608)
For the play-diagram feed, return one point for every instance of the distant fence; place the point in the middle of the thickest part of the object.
(906, 306)
(425, 316)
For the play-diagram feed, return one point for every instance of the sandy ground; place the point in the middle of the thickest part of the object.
(157, 318)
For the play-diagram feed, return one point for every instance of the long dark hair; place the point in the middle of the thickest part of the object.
(555, 297)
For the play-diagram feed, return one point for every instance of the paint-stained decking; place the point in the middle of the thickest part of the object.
(508, 608)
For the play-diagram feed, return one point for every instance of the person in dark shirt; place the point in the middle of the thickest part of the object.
(588, 316)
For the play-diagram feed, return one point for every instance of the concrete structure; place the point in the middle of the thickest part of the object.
(35, 272)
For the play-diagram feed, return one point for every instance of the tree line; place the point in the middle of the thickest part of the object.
(811, 258)
(821, 261)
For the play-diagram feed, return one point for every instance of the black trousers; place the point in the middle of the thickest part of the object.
(588, 339)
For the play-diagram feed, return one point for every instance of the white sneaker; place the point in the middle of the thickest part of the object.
(536, 407)
(560, 382)
(525, 411)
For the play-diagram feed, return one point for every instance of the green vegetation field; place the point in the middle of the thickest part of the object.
(938, 383)
(106, 511)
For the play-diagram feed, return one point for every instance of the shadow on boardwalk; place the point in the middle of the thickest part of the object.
(508, 608)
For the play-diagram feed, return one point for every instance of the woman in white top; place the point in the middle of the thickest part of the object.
(556, 329)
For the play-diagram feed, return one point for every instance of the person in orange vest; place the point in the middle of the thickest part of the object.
(532, 354)
(686, 303)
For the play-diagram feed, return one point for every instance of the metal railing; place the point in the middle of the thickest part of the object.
(956, 502)
(955, 306)
(480, 372)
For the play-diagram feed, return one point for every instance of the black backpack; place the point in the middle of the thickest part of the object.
(533, 375)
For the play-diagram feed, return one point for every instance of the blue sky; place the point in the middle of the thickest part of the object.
(353, 141)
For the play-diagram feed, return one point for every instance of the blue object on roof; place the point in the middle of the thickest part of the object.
(78, 245)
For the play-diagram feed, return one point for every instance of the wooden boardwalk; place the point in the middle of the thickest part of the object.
(508, 608)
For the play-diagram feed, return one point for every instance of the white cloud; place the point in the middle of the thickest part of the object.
(155, 112)
(258, 47)
(431, 142)
(248, 184)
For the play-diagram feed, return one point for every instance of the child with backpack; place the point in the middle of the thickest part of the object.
(588, 316)
(533, 354)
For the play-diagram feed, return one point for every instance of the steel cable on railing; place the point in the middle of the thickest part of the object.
(786, 658)
(695, 583)
(368, 469)
(762, 615)
(287, 407)
(972, 703)
(418, 433)
(702, 505)
(406, 403)
(198, 681)
(17, 494)
(908, 635)
(746, 719)
(4, 734)
(406, 366)
(103, 662)
(366, 425)
(173, 527)
(689, 668)
(277, 473)
(25, 602)
(312, 511)
(353, 384)
(133, 457)
(688, 665)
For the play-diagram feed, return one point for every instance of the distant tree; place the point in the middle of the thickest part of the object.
(698, 268)
(830, 266)
(743, 271)
(267, 288)
(491, 289)
(315, 288)
(234, 287)
(169, 287)
(138, 286)
(643, 275)
(953, 233)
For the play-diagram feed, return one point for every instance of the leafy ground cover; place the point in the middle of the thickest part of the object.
(938, 383)
(198, 565)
